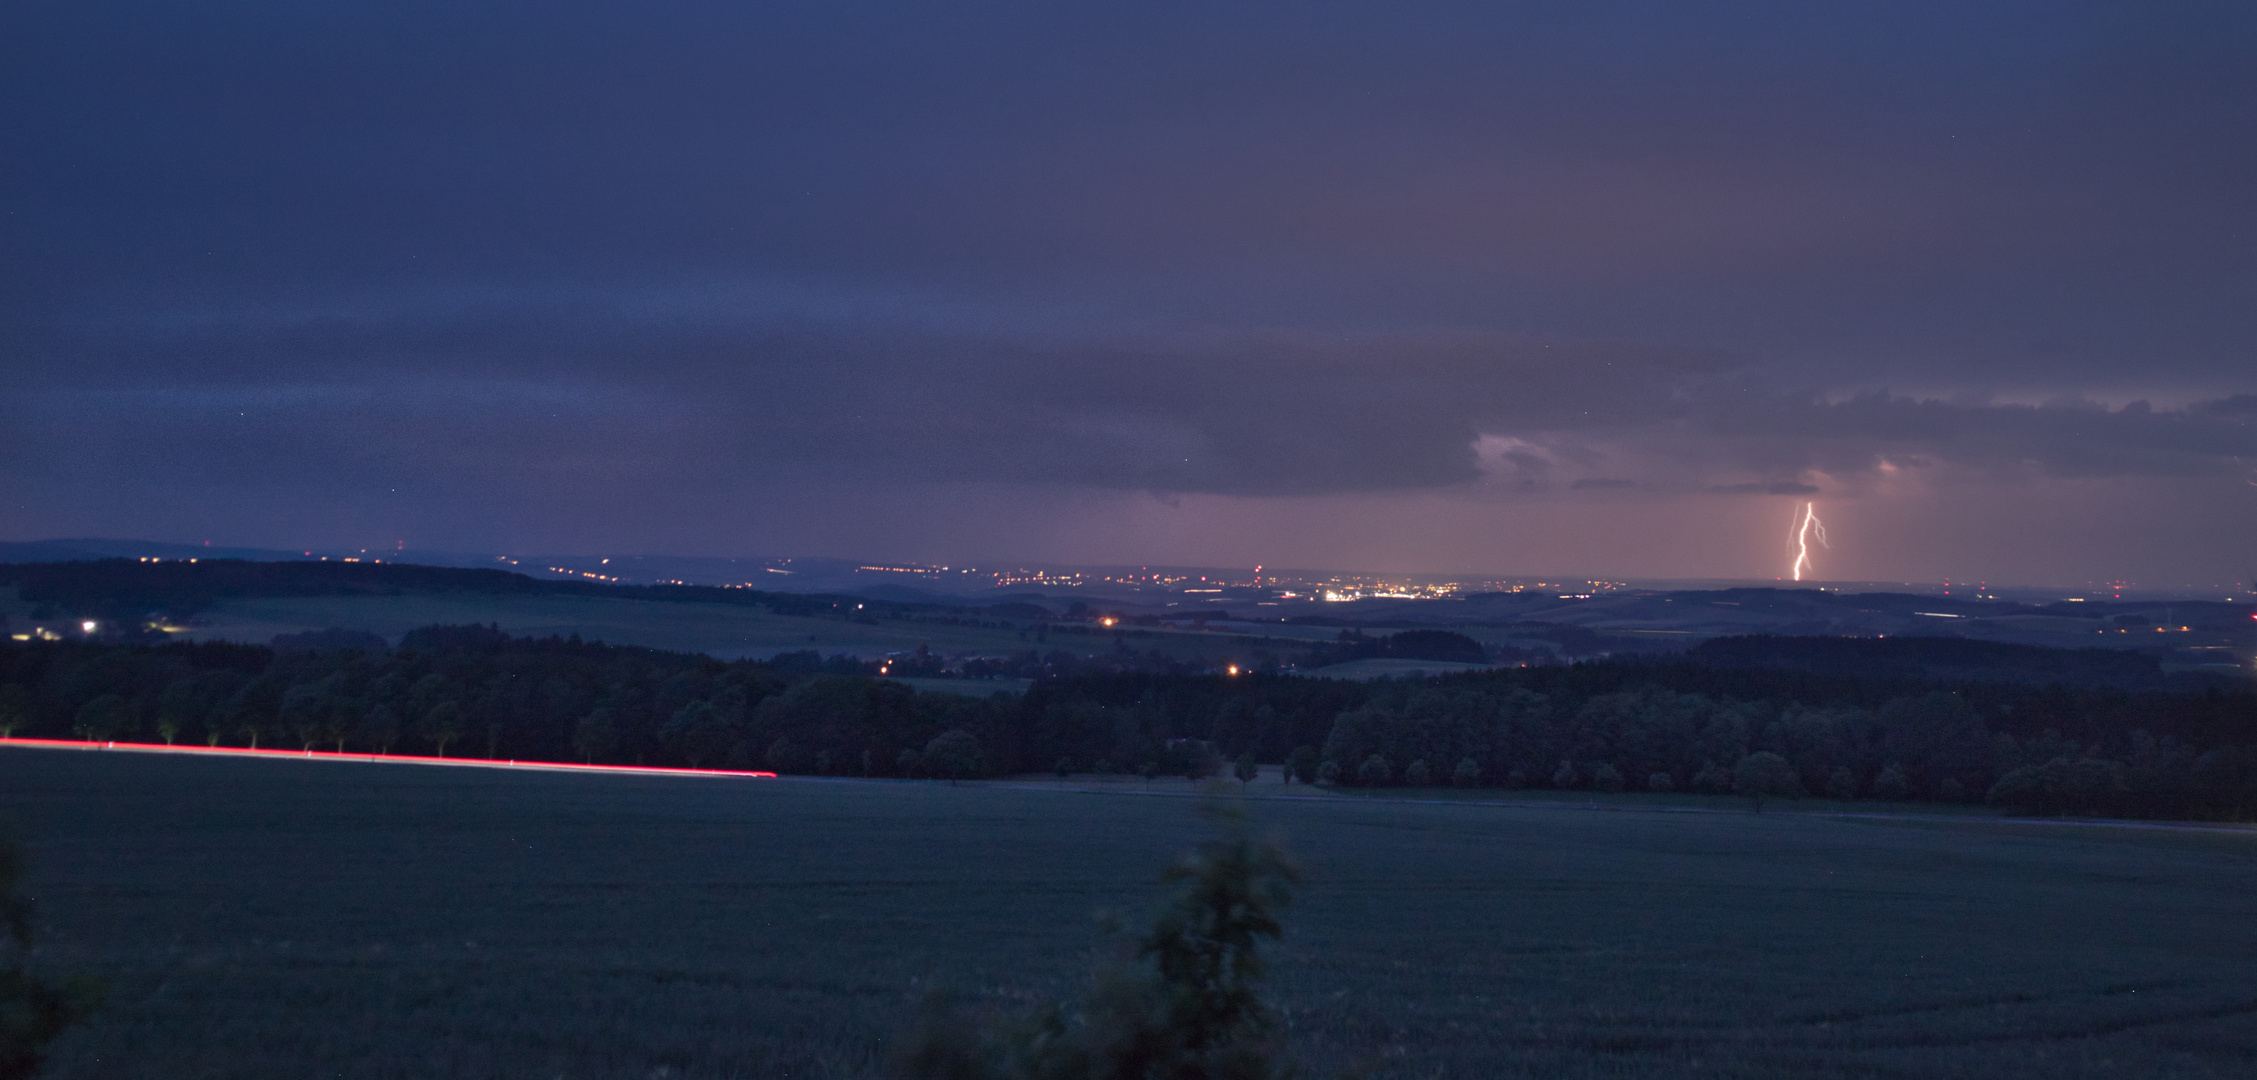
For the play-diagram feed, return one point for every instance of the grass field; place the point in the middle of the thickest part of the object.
(295, 919)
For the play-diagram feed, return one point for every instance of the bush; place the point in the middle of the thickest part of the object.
(33, 1009)
(1374, 771)
(1565, 776)
(1891, 784)
(1417, 774)
(2061, 786)
(1606, 778)
(1661, 781)
(1328, 773)
(1842, 784)
(1467, 774)
(1302, 765)
(1183, 1005)
(1712, 780)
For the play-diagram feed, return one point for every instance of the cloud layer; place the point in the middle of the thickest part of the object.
(343, 269)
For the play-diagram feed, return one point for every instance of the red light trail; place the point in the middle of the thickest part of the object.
(375, 759)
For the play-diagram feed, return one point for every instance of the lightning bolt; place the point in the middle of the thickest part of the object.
(1806, 526)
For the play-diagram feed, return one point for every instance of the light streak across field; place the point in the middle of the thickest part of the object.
(1804, 529)
(375, 759)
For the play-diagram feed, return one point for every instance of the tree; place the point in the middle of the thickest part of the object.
(345, 720)
(1374, 771)
(1841, 783)
(1328, 773)
(442, 725)
(1150, 770)
(701, 734)
(1765, 775)
(1891, 783)
(1245, 769)
(1606, 778)
(1064, 768)
(1183, 1005)
(379, 727)
(1418, 774)
(1565, 776)
(1201, 761)
(1467, 774)
(103, 719)
(596, 735)
(15, 708)
(1302, 765)
(955, 754)
(33, 1008)
(1661, 781)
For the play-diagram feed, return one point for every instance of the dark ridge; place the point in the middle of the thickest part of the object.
(1938, 659)
(130, 587)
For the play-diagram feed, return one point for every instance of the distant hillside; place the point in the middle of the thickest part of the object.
(1936, 659)
(127, 589)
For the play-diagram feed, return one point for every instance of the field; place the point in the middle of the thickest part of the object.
(728, 631)
(300, 919)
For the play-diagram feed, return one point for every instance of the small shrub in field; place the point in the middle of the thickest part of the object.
(1565, 776)
(1064, 768)
(1467, 774)
(33, 1009)
(1375, 770)
(1181, 1005)
(1417, 774)
(1661, 781)
(1606, 778)
(1302, 765)
(1245, 769)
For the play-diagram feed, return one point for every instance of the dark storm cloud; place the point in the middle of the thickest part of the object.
(1629, 250)
(601, 399)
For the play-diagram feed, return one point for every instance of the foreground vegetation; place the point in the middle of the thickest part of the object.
(259, 919)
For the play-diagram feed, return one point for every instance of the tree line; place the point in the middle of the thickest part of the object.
(1668, 724)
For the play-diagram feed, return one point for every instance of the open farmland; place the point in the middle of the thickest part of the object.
(292, 919)
(728, 631)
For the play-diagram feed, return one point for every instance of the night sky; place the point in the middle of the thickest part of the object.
(1591, 288)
